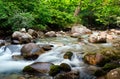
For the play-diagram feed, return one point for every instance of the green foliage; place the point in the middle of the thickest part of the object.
(100, 12)
(52, 15)
(58, 14)
(21, 20)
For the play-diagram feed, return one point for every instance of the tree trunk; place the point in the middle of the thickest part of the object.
(77, 11)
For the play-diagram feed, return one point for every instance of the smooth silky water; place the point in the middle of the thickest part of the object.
(9, 66)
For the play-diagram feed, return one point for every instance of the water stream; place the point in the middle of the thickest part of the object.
(61, 45)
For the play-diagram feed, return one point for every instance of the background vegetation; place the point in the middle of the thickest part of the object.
(58, 14)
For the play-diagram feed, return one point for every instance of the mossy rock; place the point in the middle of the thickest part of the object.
(102, 56)
(54, 70)
(65, 67)
(29, 69)
(38, 68)
(68, 55)
(95, 59)
(109, 66)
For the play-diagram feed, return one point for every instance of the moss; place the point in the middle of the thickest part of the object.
(54, 70)
(28, 69)
(68, 55)
(65, 67)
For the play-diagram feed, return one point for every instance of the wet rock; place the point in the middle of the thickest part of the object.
(113, 74)
(94, 59)
(31, 51)
(15, 41)
(38, 68)
(68, 55)
(68, 75)
(65, 67)
(47, 47)
(50, 34)
(54, 70)
(33, 33)
(17, 57)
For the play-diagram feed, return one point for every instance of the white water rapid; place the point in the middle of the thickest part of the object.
(55, 56)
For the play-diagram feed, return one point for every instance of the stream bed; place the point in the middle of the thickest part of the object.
(10, 67)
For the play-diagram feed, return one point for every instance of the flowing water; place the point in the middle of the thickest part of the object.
(61, 45)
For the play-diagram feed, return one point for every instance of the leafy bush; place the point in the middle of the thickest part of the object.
(100, 13)
(21, 20)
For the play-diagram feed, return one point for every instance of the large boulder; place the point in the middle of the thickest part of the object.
(113, 74)
(21, 37)
(50, 34)
(80, 30)
(98, 38)
(31, 51)
(94, 59)
(38, 68)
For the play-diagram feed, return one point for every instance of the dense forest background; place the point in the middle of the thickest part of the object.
(58, 14)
